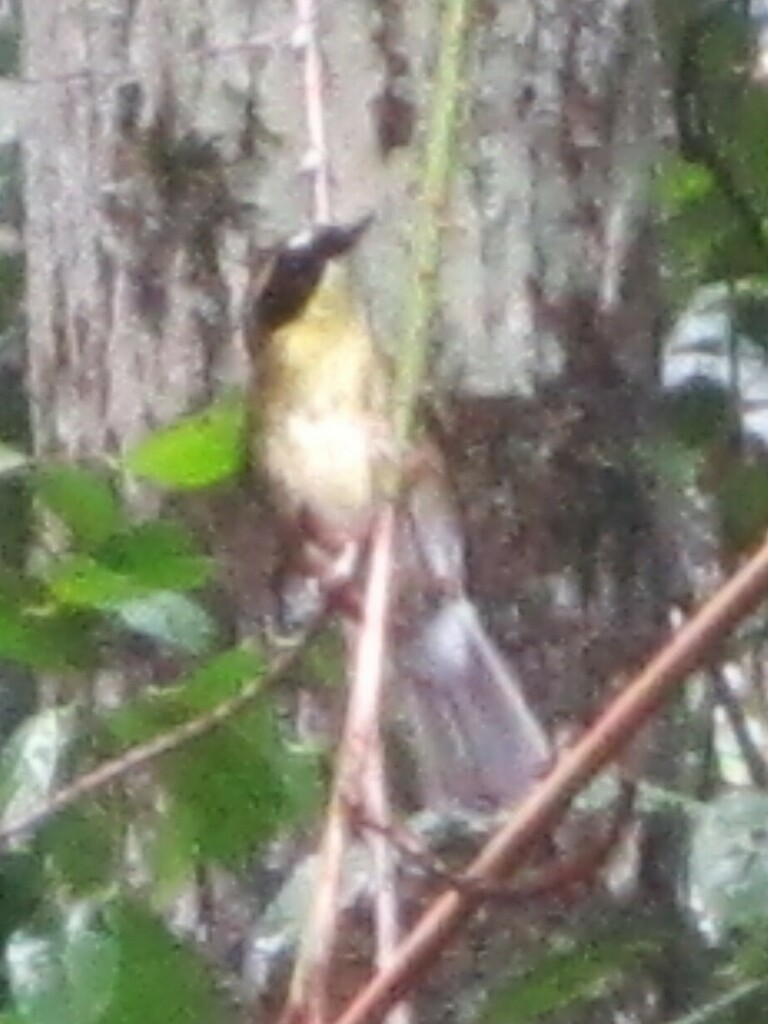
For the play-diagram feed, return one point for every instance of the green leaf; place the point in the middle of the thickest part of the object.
(32, 632)
(680, 183)
(158, 555)
(677, 466)
(240, 786)
(217, 680)
(132, 566)
(17, 589)
(83, 582)
(220, 678)
(32, 761)
(22, 895)
(65, 974)
(234, 787)
(84, 500)
(83, 846)
(160, 980)
(109, 962)
(565, 976)
(729, 860)
(198, 451)
(170, 619)
(46, 639)
(21, 890)
(699, 413)
(171, 853)
(741, 495)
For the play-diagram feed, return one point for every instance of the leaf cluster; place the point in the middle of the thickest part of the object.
(81, 943)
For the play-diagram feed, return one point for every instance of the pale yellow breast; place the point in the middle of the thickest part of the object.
(326, 463)
(325, 434)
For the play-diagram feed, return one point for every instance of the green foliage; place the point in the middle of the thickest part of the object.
(172, 620)
(741, 497)
(84, 500)
(699, 413)
(84, 847)
(219, 679)
(712, 192)
(729, 861)
(196, 452)
(46, 637)
(113, 573)
(133, 564)
(33, 761)
(232, 789)
(76, 947)
(567, 975)
(239, 786)
(152, 962)
(107, 961)
(22, 893)
(158, 556)
(96, 957)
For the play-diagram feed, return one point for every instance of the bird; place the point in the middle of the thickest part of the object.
(323, 439)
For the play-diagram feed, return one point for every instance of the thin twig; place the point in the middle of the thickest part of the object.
(308, 996)
(144, 754)
(386, 908)
(317, 165)
(552, 877)
(686, 651)
(737, 719)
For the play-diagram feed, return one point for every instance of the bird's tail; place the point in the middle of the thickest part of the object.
(477, 743)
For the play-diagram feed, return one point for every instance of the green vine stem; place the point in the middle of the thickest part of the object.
(421, 296)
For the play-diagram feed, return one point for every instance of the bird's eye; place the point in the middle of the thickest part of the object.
(289, 286)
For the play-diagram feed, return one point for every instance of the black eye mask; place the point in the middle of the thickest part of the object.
(296, 272)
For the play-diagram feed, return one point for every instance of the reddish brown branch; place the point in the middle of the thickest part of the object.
(386, 909)
(553, 878)
(308, 997)
(687, 650)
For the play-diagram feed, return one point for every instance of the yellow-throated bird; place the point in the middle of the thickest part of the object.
(327, 447)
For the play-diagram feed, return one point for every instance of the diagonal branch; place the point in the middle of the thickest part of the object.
(144, 754)
(694, 643)
(308, 997)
